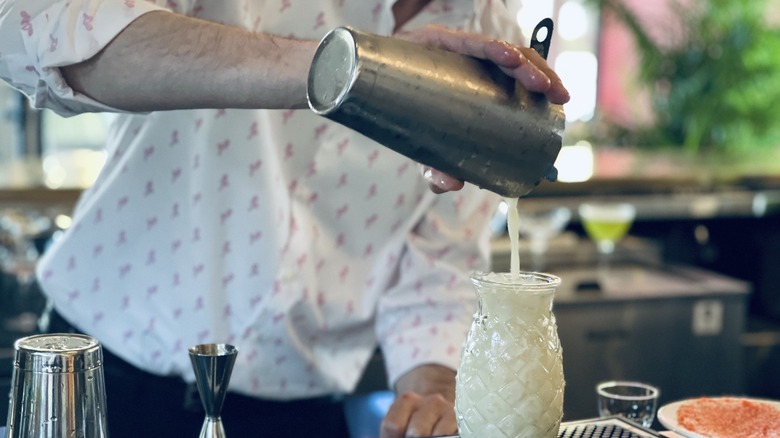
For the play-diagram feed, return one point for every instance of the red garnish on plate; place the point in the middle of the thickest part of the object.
(730, 418)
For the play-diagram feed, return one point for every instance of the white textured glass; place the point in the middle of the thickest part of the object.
(510, 380)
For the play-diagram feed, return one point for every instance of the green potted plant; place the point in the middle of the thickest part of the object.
(715, 84)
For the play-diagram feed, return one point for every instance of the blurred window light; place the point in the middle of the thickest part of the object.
(73, 168)
(573, 20)
(579, 72)
(760, 204)
(575, 163)
(72, 148)
(63, 221)
(531, 12)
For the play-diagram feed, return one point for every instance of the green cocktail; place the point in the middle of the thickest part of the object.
(606, 224)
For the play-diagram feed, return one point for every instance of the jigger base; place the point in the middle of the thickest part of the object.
(212, 428)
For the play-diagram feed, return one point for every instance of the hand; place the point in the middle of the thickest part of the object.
(425, 406)
(416, 415)
(440, 182)
(522, 63)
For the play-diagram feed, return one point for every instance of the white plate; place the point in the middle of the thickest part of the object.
(667, 415)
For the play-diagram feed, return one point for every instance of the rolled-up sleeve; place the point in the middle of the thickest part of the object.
(37, 37)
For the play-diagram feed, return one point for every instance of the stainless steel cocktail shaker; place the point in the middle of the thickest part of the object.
(58, 388)
(458, 114)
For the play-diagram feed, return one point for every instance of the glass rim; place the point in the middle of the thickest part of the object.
(624, 208)
(652, 391)
(608, 204)
(546, 281)
(212, 350)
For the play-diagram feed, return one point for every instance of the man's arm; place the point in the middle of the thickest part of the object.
(165, 61)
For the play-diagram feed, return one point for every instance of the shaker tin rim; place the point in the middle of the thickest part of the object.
(57, 353)
(56, 343)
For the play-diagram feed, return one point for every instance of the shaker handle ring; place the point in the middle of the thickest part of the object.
(542, 46)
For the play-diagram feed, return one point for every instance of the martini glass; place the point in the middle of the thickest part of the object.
(606, 224)
(539, 226)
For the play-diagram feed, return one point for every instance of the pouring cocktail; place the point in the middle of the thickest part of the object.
(510, 381)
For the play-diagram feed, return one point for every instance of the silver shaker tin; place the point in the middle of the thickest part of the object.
(455, 113)
(58, 388)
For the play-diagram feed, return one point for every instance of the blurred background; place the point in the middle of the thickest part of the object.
(675, 113)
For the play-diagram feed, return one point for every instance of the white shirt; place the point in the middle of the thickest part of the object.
(300, 242)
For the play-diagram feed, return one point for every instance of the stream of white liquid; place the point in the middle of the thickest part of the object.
(512, 225)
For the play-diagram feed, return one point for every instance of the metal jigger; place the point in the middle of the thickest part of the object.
(213, 364)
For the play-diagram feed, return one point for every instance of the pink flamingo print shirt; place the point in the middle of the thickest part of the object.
(304, 244)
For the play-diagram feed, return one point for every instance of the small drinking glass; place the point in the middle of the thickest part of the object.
(634, 401)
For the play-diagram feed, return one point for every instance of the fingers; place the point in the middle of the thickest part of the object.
(528, 67)
(397, 419)
(471, 44)
(523, 64)
(533, 74)
(447, 424)
(413, 415)
(439, 182)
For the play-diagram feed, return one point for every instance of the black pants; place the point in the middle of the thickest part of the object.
(141, 404)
